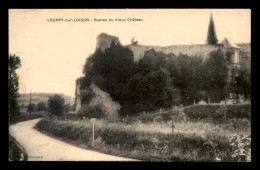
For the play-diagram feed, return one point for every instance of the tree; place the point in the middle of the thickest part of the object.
(56, 105)
(41, 106)
(152, 91)
(216, 76)
(14, 63)
(110, 70)
(240, 82)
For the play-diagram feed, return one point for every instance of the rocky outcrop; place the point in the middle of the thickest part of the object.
(101, 99)
(104, 100)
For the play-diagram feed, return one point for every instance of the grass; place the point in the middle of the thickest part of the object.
(191, 141)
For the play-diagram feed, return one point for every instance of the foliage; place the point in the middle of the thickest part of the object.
(110, 70)
(159, 80)
(56, 105)
(144, 91)
(15, 152)
(14, 63)
(216, 79)
(241, 146)
(240, 82)
(218, 113)
(41, 106)
(67, 108)
(91, 111)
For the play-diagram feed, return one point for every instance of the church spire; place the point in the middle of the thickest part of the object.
(212, 36)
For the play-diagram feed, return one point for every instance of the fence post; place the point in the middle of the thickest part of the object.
(172, 125)
(93, 120)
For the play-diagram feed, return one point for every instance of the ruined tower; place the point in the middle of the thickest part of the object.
(212, 36)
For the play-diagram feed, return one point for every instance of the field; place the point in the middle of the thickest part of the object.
(200, 140)
(24, 99)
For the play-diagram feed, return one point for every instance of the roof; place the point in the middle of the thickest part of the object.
(228, 44)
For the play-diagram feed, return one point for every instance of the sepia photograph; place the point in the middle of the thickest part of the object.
(129, 85)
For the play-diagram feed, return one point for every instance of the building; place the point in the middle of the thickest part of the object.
(240, 53)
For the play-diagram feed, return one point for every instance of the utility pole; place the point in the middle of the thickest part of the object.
(30, 108)
(93, 134)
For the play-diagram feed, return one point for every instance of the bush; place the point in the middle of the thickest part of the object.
(241, 147)
(217, 114)
(56, 105)
(41, 106)
(239, 111)
(67, 108)
(90, 111)
(69, 116)
(16, 153)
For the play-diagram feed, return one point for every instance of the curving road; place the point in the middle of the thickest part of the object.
(41, 147)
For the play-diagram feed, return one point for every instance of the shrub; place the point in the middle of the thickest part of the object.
(67, 108)
(91, 111)
(41, 106)
(239, 111)
(241, 147)
(16, 153)
(56, 105)
(218, 113)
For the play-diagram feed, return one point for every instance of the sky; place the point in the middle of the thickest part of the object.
(53, 53)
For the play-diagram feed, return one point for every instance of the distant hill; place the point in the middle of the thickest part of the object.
(41, 97)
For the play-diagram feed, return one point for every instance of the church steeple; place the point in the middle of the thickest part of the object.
(212, 36)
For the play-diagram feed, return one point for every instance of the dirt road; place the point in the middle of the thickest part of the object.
(41, 147)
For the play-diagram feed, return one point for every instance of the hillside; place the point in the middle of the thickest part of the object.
(41, 97)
